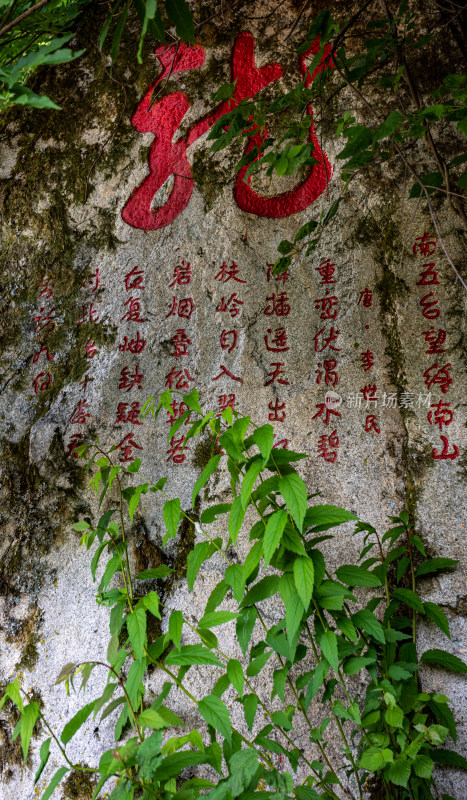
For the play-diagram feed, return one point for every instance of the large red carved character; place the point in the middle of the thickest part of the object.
(168, 158)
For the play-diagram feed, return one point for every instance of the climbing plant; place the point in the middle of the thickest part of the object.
(303, 637)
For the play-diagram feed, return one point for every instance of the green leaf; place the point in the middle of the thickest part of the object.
(172, 513)
(250, 704)
(136, 626)
(54, 783)
(12, 690)
(293, 615)
(196, 557)
(255, 666)
(293, 490)
(82, 525)
(367, 621)
(235, 675)
(191, 654)
(435, 565)
(234, 577)
(357, 663)
(75, 723)
(215, 713)
(210, 467)
(249, 481)
(135, 677)
(245, 624)
(399, 772)
(357, 576)
(408, 597)
(273, 533)
(279, 718)
(175, 627)
(440, 658)
(44, 756)
(394, 717)
(236, 516)
(28, 718)
(423, 766)
(134, 466)
(179, 13)
(389, 126)
(304, 575)
(328, 645)
(435, 613)
(135, 498)
(214, 618)
(323, 517)
(156, 720)
(306, 793)
(372, 759)
(153, 574)
(173, 765)
(264, 438)
(243, 767)
(448, 757)
(211, 513)
(265, 588)
(151, 603)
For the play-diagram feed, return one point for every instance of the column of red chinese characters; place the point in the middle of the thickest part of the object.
(179, 377)
(130, 382)
(438, 374)
(230, 307)
(367, 360)
(44, 324)
(276, 343)
(88, 315)
(325, 345)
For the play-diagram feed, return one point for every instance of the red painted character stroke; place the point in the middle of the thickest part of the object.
(168, 159)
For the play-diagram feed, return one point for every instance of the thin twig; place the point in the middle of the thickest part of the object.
(22, 16)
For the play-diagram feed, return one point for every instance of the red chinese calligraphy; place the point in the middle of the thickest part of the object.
(132, 345)
(85, 381)
(128, 379)
(276, 372)
(435, 340)
(134, 279)
(282, 444)
(366, 298)
(279, 341)
(426, 244)
(429, 310)
(326, 269)
(277, 411)
(442, 415)
(127, 445)
(226, 273)
(225, 337)
(178, 409)
(328, 413)
(183, 308)
(91, 349)
(326, 305)
(231, 305)
(181, 275)
(89, 314)
(128, 412)
(79, 415)
(429, 276)
(180, 342)
(369, 393)
(368, 360)
(45, 321)
(278, 305)
(42, 382)
(371, 424)
(75, 441)
(46, 287)
(445, 451)
(225, 371)
(134, 310)
(441, 377)
(175, 452)
(280, 277)
(168, 158)
(93, 280)
(330, 372)
(226, 401)
(326, 342)
(48, 355)
(178, 379)
(327, 446)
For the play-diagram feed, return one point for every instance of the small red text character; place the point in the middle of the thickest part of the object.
(225, 371)
(128, 412)
(276, 372)
(48, 355)
(429, 276)
(93, 280)
(369, 393)
(229, 340)
(278, 342)
(85, 381)
(232, 305)
(277, 411)
(368, 360)
(180, 342)
(183, 308)
(429, 310)
(371, 424)
(278, 305)
(326, 270)
(45, 321)
(134, 279)
(438, 376)
(282, 444)
(226, 401)
(178, 409)
(42, 382)
(46, 287)
(326, 306)
(175, 452)
(435, 340)
(132, 345)
(127, 445)
(326, 342)
(79, 415)
(330, 372)
(425, 245)
(89, 314)
(181, 275)
(91, 349)
(442, 415)
(178, 379)
(226, 273)
(325, 442)
(366, 298)
(134, 310)
(328, 412)
(445, 452)
(130, 379)
(282, 276)
(75, 441)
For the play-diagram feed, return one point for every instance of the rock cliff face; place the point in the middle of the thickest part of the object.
(132, 260)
